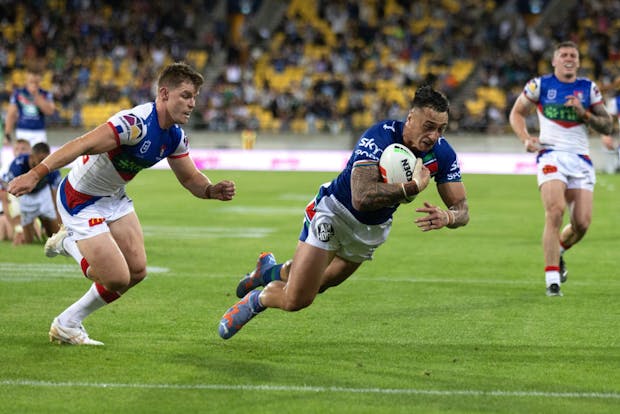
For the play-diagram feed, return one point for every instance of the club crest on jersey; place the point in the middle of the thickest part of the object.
(162, 149)
(145, 147)
(579, 95)
(552, 94)
(135, 126)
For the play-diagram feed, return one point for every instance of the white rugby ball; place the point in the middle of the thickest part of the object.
(398, 165)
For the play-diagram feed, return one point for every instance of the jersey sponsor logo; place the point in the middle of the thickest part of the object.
(92, 222)
(366, 154)
(325, 232)
(370, 145)
(549, 169)
(531, 86)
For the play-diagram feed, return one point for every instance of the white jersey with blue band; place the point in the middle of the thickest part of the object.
(141, 144)
(441, 160)
(560, 126)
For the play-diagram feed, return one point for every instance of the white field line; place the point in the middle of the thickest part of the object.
(310, 389)
(26, 272)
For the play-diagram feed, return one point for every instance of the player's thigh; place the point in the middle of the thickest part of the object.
(338, 271)
(306, 274)
(580, 202)
(552, 195)
(105, 259)
(127, 232)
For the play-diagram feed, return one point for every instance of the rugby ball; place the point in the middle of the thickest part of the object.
(398, 165)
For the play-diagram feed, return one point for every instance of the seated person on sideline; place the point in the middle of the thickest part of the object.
(40, 202)
(352, 216)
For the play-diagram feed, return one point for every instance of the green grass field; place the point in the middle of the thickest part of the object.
(450, 321)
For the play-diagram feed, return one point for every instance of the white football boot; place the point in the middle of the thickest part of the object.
(72, 336)
(53, 245)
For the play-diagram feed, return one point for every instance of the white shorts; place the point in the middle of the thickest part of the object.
(93, 219)
(330, 226)
(34, 137)
(33, 205)
(576, 171)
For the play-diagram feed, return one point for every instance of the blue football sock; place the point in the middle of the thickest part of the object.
(271, 274)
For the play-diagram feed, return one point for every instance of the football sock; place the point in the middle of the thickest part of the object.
(256, 305)
(552, 275)
(71, 247)
(92, 300)
(271, 274)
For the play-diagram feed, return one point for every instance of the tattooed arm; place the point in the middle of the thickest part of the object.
(369, 193)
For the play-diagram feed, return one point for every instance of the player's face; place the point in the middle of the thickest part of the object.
(33, 83)
(423, 128)
(181, 101)
(21, 147)
(566, 63)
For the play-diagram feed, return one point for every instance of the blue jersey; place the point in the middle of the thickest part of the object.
(30, 116)
(441, 160)
(20, 166)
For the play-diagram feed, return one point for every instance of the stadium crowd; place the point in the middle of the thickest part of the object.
(327, 66)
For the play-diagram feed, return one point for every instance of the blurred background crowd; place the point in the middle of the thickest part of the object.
(302, 66)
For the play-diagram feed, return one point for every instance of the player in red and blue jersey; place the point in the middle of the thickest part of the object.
(40, 202)
(567, 105)
(352, 216)
(103, 233)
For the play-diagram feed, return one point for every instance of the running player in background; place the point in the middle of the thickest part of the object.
(567, 105)
(103, 233)
(610, 145)
(352, 216)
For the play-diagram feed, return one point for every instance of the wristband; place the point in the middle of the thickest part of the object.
(41, 170)
(451, 218)
(409, 197)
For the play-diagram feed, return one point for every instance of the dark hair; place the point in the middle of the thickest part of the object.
(176, 73)
(41, 148)
(427, 97)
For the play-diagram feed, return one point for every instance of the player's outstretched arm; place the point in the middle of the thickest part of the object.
(454, 197)
(199, 184)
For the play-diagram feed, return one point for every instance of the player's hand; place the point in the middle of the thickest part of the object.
(434, 219)
(574, 102)
(23, 184)
(532, 144)
(224, 190)
(422, 176)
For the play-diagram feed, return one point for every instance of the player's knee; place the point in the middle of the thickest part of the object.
(581, 227)
(116, 284)
(138, 275)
